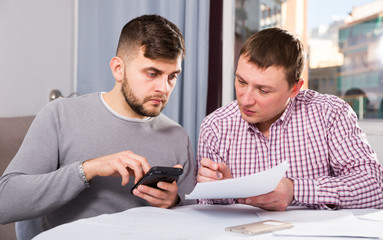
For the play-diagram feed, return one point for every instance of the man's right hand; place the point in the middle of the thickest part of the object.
(212, 171)
(122, 164)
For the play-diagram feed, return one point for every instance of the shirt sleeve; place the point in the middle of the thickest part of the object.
(208, 145)
(356, 179)
(33, 183)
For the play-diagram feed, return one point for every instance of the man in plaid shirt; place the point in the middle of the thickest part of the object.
(332, 166)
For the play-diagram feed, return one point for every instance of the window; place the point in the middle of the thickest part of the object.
(356, 51)
(343, 38)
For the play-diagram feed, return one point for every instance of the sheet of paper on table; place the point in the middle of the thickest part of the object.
(321, 223)
(376, 215)
(242, 187)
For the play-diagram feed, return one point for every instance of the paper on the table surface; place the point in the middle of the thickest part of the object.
(377, 215)
(320, 223)
(242, 187)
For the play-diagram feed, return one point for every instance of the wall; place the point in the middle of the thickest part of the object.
(36, 53)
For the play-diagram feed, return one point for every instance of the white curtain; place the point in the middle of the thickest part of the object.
(100, 23)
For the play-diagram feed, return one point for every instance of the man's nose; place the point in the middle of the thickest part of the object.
(163, 85)
(248, 97)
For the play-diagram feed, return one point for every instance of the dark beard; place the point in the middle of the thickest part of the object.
(135, 104)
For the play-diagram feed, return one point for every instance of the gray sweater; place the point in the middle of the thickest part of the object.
(43, 178)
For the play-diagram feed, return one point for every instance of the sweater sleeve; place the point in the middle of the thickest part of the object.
(186, 182)
(34, 183)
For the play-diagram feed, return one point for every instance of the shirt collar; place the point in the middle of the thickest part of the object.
(286, 116)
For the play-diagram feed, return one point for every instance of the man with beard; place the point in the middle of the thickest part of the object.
(69, 164)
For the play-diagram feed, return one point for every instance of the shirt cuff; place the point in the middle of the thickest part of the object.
(306, 193)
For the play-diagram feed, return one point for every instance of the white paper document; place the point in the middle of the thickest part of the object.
(242, 187)
(375, 215)
(320, 223)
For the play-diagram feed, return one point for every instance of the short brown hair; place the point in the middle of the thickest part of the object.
(276, 47)
(160, 38)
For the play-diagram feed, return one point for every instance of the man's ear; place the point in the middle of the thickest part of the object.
(117, 67)
(296, 88)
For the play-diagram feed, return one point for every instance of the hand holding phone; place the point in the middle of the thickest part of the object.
(159, 174)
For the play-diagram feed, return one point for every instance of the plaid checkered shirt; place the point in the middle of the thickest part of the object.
(331, 162)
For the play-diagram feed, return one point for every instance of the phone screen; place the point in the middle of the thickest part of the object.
(159, 174)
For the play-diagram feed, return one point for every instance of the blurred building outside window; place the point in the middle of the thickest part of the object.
(349, 51)
(345, 56)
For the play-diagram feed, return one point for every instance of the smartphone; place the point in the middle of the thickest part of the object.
(159, 174)
(260, 227)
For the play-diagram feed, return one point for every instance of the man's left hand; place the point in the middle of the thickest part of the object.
(277, 200)
(164, 197)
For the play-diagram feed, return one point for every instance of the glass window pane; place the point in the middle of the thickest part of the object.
(344, 44)
(352, 44)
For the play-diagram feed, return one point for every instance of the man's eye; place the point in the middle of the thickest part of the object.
(152, 74)
(241, 82)
(263, 91)
(173, 76)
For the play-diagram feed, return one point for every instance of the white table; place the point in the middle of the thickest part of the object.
(193, 222)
